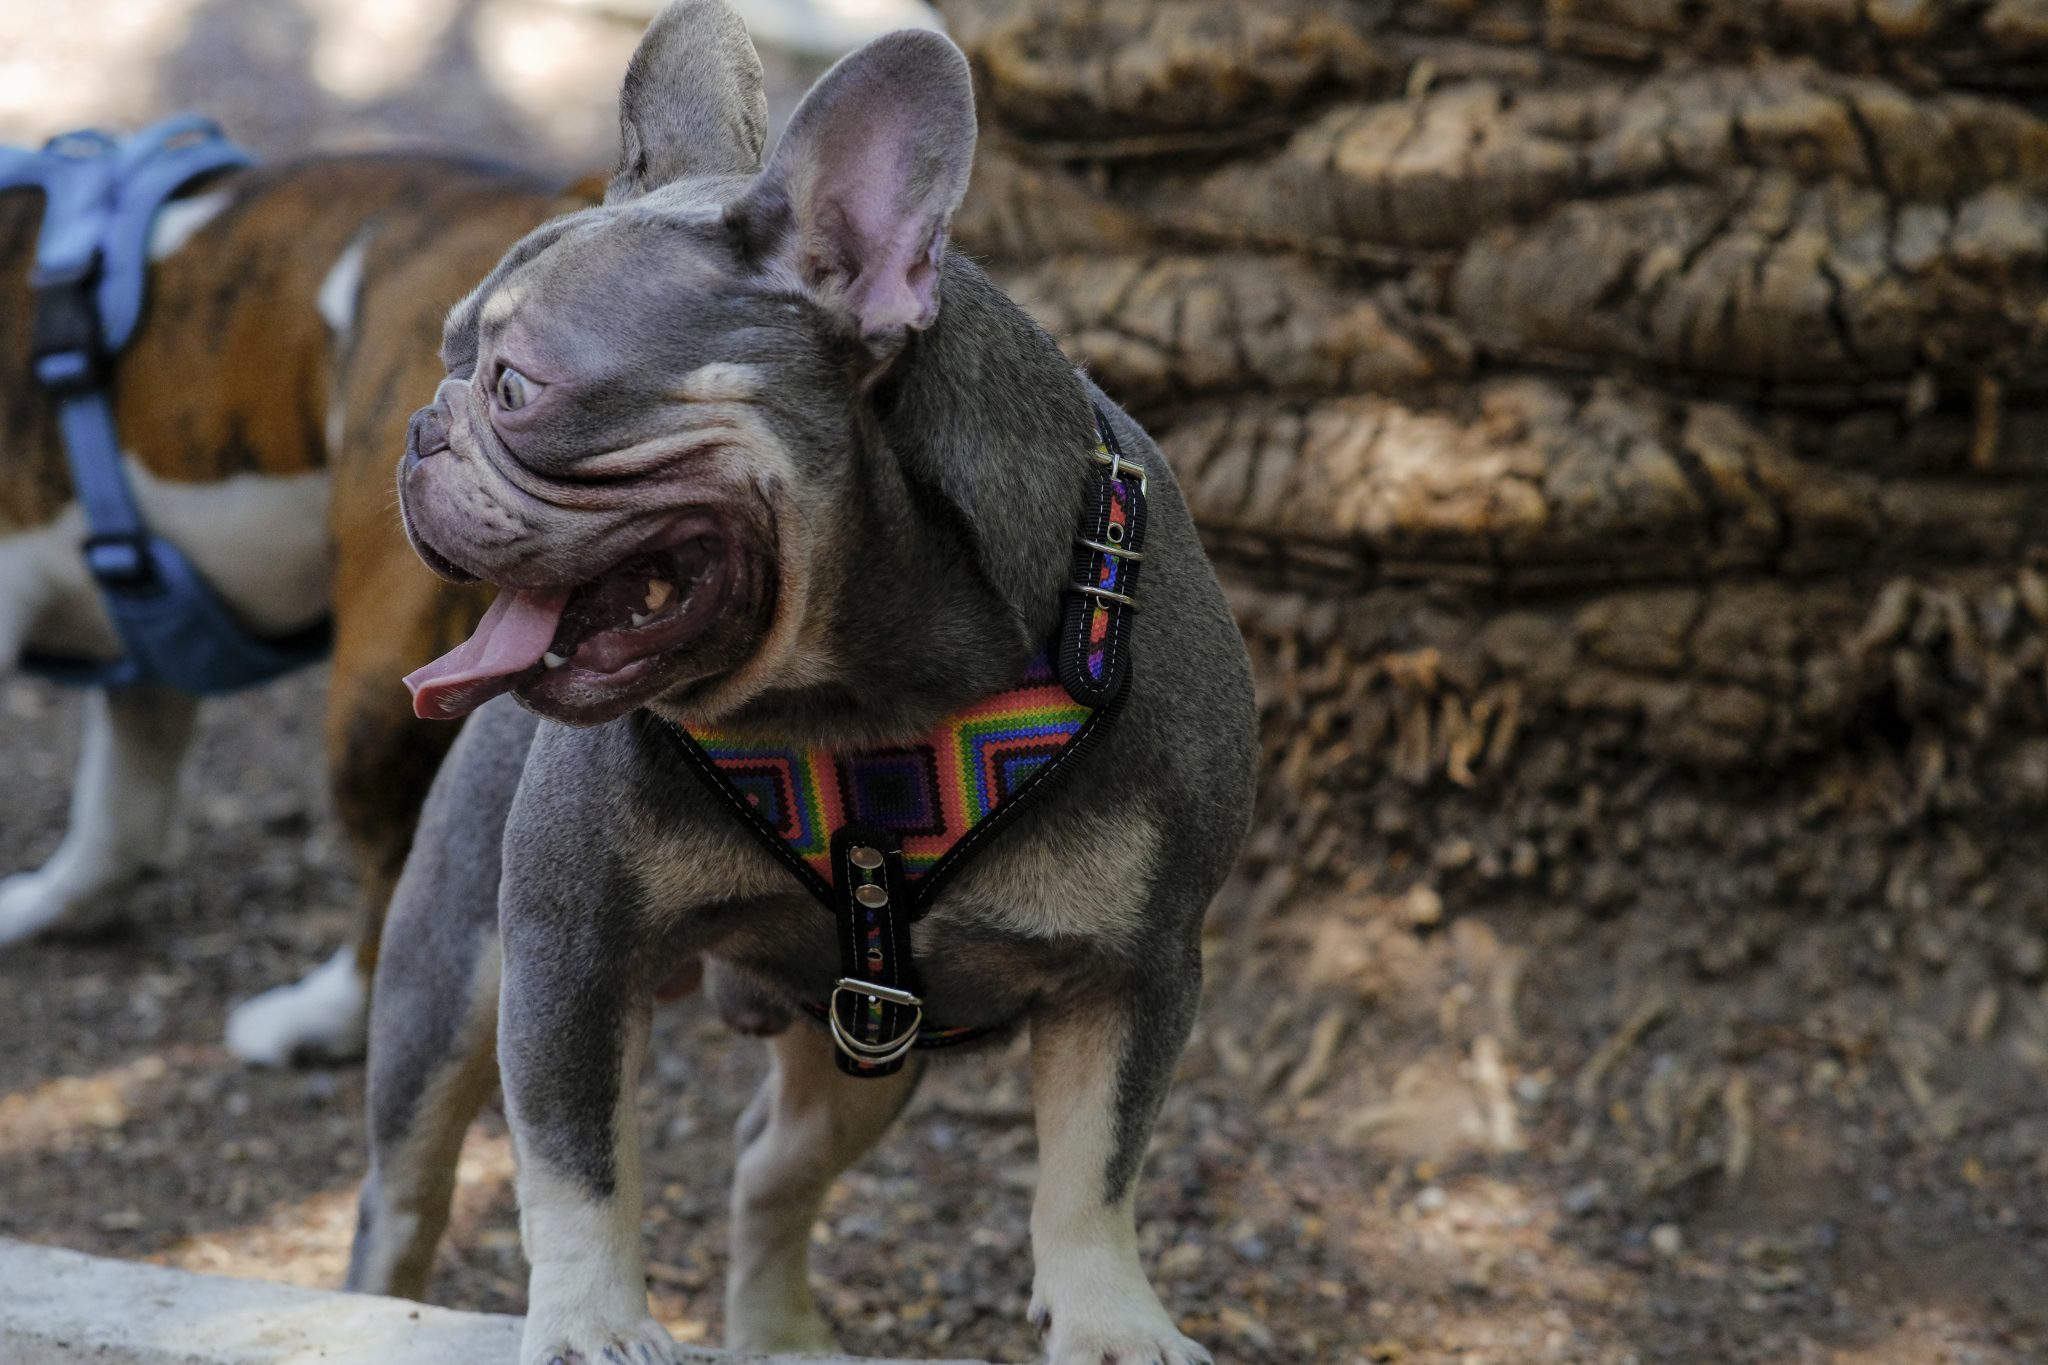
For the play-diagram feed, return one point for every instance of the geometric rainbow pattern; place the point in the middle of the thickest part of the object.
(929, 793)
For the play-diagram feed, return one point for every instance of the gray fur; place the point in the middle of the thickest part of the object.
(443, 923)
(692, 103)
(911, 490)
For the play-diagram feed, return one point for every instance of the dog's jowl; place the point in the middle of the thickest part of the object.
(847, 641)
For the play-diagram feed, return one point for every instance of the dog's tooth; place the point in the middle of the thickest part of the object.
(659, 590)
(552, 659)
(641, 618)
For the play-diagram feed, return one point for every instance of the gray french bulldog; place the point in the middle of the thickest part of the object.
(749, 444)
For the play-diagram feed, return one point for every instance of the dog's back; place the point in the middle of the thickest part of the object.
(227, 373)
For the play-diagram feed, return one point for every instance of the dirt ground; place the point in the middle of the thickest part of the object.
(1399, 1135)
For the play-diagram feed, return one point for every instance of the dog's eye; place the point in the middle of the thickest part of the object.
(514, 389)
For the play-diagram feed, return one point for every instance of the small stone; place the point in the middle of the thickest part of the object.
(1422, 905)
(1588, 1198)
(2028, 958)
(1244, 1325)
(1667, 1240)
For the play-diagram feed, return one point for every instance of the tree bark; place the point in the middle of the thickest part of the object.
(1623, 421)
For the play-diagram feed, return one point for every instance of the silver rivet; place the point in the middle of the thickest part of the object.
(873, 897)
(865, 858)
(1116, 533)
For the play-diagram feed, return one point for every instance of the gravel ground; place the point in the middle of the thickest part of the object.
(1516, 1137)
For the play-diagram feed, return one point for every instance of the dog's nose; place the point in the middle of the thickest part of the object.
(426, 435)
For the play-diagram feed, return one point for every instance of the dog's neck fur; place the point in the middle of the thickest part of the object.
(952, 570)
(993, 414)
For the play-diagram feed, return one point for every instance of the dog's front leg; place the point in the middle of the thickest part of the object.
(121, 808)
(1099, 1071)
(572, 1031)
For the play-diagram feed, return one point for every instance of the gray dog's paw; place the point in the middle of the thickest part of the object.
(640, 1343)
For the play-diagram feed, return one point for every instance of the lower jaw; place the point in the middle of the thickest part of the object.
(577, 695)
(581, 696)
(583, 690)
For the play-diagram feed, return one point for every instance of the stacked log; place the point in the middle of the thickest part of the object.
(1621, 424)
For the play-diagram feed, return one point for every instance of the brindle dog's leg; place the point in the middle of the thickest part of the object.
(121, 809)
(808, 1123)
(380, 763)
(1099, 1071)
(435, 1021)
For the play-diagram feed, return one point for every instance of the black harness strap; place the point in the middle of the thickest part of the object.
(1094, 641)
(876, 1008)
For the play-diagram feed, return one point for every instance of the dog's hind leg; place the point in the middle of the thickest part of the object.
(433, 1028)
(432, 1064)
(380, 763)
(121, 813)
(808, 1123)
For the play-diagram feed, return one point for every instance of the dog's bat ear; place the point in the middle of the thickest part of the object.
(692, 103)
(859, 192)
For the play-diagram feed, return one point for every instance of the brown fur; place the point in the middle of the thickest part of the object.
(232, 372)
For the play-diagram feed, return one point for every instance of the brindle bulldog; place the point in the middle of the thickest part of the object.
(748, 449)
(292, 312)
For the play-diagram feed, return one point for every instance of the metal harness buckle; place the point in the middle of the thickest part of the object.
(874, 1054)
(1105, 594)
(1103, 548)
(1118, 464)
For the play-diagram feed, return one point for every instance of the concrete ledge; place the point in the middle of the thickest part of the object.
(61, 1307)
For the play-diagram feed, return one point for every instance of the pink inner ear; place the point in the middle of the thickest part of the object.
(898, 288)
(895, 243)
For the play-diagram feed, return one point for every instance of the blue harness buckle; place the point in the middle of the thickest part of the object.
(64, 344)
(120, 561)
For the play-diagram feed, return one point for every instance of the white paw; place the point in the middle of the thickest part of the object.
(635, 1343)
(31, 902)
(322, 1018)
(1104, 1329)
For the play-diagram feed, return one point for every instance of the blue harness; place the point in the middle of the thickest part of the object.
(100, 198)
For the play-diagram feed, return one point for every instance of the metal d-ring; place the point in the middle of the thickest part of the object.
(874, 1054)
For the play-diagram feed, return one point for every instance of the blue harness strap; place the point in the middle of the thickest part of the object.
(100, 198)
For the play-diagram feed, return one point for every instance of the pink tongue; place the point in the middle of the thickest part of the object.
(510, 639)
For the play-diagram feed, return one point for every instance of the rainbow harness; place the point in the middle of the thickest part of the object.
(875, 833)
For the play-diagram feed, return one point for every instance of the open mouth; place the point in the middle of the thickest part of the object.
(576, 650)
